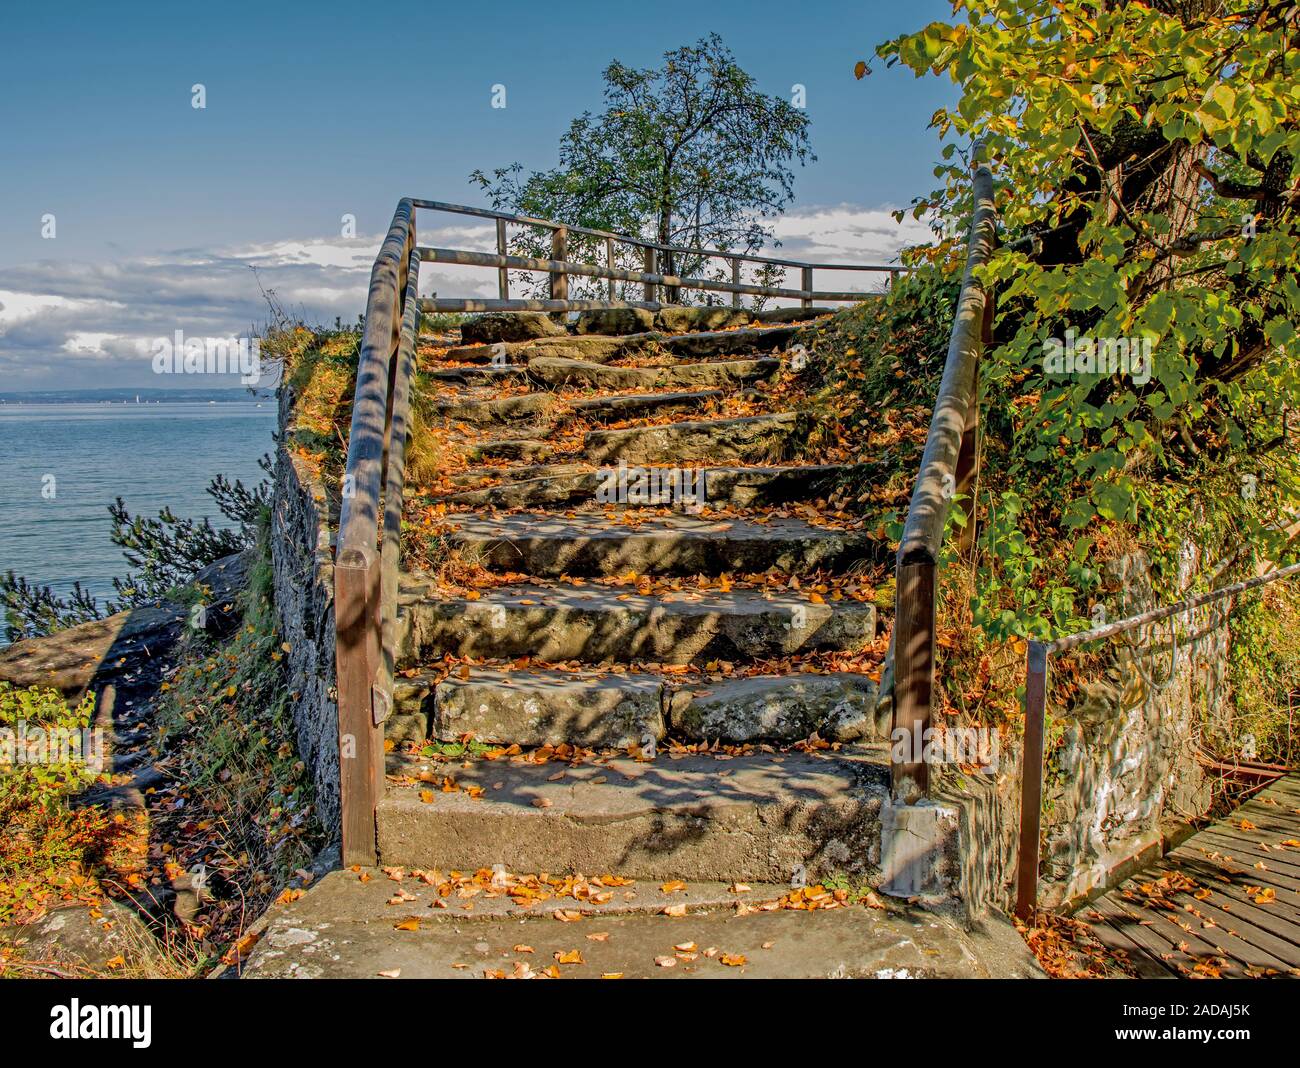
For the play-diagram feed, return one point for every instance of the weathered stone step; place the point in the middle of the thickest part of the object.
(478, 375)
(736, 487)
(520, 406)
(539, 707)
(547, 545)
(553, 371)
(729, 342)
(632, 405)
(792, 315)
(756, 438)
(473, 476)
(531, 708)
(600, 348)
(747, 818)
(527, 450)
(595, 624)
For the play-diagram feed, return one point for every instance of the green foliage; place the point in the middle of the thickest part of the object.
(1264, 671)
(1151, 152)
(689, 154)
(42, 840)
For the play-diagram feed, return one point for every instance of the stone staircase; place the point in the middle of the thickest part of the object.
(652, 683)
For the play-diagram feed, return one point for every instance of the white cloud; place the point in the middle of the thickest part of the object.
(54, 316)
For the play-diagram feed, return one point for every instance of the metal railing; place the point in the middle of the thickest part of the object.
(1037, 656)
(367, 563)
(949, 467)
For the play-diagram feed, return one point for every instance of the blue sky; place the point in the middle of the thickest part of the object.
(316, 110)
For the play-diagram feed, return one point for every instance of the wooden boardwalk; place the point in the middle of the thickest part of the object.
(1225, 903)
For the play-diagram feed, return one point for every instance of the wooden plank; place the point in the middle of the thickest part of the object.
(1218, 872)
(1234, 864)
(1238, 931)
(1146, 964)
(1249, 854)
(1162, 938)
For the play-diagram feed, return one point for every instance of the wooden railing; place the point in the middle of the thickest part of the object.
(367, 561)
(1037, 656)
(949, 467)
(559, 269)
(366, 570)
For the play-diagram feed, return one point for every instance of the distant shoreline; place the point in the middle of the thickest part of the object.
(129, 396)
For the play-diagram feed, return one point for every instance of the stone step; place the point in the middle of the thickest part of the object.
(601, 348)
(758, 817)
(596, 624)
(792, 315)
(709, 343)
(478, 375)
(342, 927)
(591, 544)
(756, 439)
(526, 450)
(566, 484)
(520, 406)
(553, 371)
(472, 477)
(634, 405)
(599, 710)
(531, 708)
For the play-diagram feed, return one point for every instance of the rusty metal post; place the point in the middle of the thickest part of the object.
(503, 275)
(1031, 778)
(914, 612)
(559, 251)
(805, 283)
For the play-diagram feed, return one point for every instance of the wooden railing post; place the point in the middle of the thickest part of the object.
(1031, 778)
(360, 747)
(913, 680)
(651, 267)
(503, 275)
(559, 251)
(609, 262)
(735, 280)
(805, 283)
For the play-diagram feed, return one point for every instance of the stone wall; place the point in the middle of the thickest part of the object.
(303, 566)
(1122, 769)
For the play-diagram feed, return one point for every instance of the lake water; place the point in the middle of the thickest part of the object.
(151, 455)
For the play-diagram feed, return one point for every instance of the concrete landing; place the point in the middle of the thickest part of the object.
(344, 928)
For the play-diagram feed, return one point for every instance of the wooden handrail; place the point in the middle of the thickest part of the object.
(641, 242)
(949, 466)
(359, 595)
(465, 258)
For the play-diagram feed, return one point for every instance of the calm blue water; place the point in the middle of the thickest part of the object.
(151, 455)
